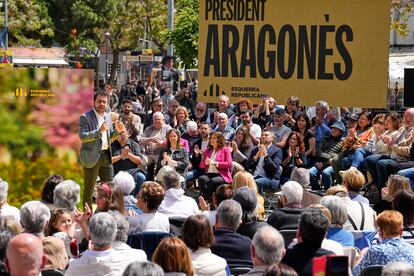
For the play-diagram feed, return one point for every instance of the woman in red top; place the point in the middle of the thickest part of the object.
(216, 162)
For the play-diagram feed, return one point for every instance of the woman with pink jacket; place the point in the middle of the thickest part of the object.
(216, 162)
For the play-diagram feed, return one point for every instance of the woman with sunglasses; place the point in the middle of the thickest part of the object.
(357, 137)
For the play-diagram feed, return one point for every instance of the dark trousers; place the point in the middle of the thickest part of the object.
(208, 184)
(371, 164)
(105, 171)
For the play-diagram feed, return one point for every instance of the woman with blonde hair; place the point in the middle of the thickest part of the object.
(245, 179)
(181, 119)
(395, 184)
(174, 257)
(353, 180)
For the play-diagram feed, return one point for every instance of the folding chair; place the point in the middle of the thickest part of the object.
(147, 241)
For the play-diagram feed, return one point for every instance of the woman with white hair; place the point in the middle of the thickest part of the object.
(126, 184)
(122, 229)
(67, 195)
(34, 217)
(339, 215)
(5, 209)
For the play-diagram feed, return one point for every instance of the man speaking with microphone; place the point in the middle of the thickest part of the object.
(96, 133)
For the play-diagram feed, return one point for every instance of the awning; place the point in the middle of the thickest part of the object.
(39, 61)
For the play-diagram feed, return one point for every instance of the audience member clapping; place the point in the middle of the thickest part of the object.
(216, 161)
(63, 227)
(293, 155)
(173, 156)
(109, 198)
(222, 193)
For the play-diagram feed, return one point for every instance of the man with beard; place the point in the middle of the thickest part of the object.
(126, 156)
(254, 130)
(152, 141)
(131, 121)
(201, 113)
(196, 152)
(265, 163)
(96, 133)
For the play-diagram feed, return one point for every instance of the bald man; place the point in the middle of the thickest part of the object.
(25, 256)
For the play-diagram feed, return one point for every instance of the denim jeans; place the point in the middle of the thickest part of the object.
(266, 183)
(385, 168)
(356, 159)
(326, 174)
(371, 165)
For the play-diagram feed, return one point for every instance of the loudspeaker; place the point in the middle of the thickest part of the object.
(409, 87)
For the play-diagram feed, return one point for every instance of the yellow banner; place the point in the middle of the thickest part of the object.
(314, 49)
(6, 58)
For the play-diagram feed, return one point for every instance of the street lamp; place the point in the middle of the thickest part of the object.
(107, 36)
(170, 49)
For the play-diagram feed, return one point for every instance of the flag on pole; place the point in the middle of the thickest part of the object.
(3, 36)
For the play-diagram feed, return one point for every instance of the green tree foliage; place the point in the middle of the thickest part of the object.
(132, 20)
(29, 23)
(184, 36)
(400, 10)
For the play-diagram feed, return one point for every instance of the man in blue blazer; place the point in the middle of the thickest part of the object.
(264, 163)
(96, 133)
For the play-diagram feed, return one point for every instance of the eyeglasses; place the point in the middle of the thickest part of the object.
(160, 105)
(199, 109)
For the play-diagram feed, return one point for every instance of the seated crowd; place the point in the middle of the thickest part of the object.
(220, 192)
